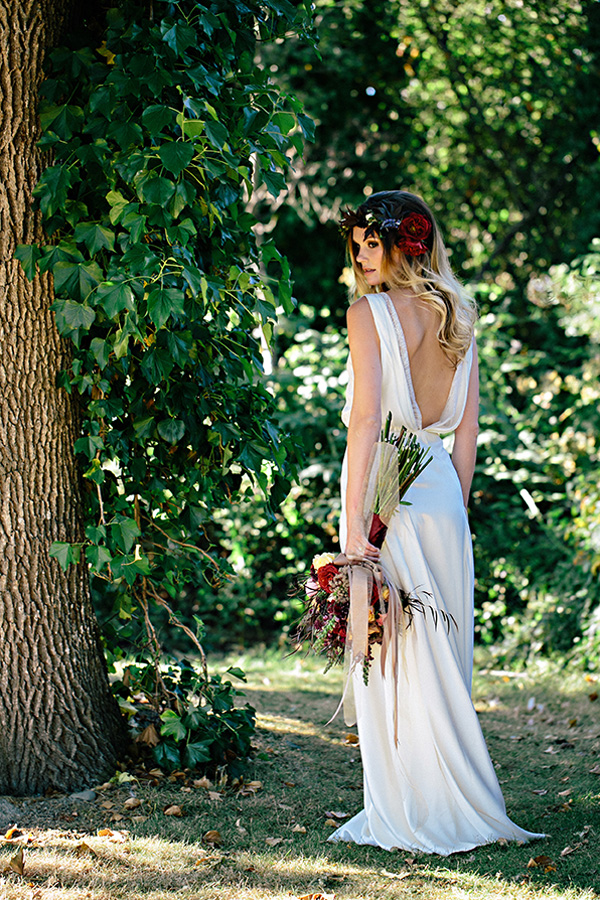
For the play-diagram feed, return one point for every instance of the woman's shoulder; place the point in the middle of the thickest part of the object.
(365, 306)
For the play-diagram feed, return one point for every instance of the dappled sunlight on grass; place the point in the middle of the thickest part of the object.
(544, 737)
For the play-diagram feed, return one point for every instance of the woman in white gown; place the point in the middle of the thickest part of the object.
(412, 352)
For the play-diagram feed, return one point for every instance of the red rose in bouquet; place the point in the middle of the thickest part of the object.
(325, 575)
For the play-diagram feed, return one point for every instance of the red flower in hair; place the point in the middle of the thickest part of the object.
(413, 231)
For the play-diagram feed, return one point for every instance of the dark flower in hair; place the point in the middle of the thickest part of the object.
(351, 219)
(413, 231)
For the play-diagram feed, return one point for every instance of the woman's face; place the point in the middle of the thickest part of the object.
(368, 254)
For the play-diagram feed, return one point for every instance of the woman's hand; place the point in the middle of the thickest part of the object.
(358, 545)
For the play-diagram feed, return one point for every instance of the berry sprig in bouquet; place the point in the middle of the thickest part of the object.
(328, 622)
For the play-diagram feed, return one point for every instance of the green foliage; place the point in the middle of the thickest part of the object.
(486, 109)
(534, 510)
(200, 726)
(268, 554)
(159, 137)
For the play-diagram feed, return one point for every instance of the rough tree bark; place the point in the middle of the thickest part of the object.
(59, 724)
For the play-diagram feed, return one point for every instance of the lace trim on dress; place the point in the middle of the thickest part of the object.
(405, 358)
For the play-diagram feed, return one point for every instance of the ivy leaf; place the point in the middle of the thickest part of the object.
(196, 752)
(171, 430)
(124, 532)
(65, 553)
(284, 121)
(76, 279)
(98, 556)
(307, 125)
(162, 302)
(52, 189)
(28, 255)
(157, 364)
(180, 37)
(157, 117)
(216, 133)
(101, 350)
(143, 428)
(94, 236)
(71, 315)
(114, 297)
(89, 444)
(274, 181)
(158, 190)
(176, 156)
(172, 726)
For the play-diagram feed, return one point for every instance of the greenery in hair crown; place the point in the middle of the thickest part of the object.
(411, 230)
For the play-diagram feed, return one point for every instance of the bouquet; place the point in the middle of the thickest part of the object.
(331, 623)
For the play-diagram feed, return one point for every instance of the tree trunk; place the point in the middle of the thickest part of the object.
(59, 724)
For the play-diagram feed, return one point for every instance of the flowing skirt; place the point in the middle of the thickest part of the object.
(436, 790)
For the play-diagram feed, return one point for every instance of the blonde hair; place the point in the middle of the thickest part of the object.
(429, 275)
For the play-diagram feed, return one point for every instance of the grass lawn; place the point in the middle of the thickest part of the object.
(267, 838)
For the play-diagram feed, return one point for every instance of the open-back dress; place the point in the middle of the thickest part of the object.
(436, 790)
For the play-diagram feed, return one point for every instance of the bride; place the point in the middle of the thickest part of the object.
(412, 352)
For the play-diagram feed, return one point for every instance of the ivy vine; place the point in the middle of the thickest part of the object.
(159, 136)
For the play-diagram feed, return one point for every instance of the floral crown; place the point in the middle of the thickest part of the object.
(412, 230)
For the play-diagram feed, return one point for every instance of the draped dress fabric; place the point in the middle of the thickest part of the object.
(436, 790)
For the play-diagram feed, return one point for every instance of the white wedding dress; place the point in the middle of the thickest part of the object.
(436, 790)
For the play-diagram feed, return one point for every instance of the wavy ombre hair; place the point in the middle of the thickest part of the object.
(427, 275)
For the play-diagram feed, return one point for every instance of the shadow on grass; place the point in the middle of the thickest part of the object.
(543, 736)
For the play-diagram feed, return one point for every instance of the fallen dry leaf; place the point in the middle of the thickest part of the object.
(157, 773)
(299, 829)
(336, 815)
(332, 823)
(17, 863)
(272, 842)
(572, 723)
(132, 803)
(540, 792)
(240, 827)
(593, 696)
(173, 810)
(118, 837)
(213, 837)
(215, 795)
(202, 783)
(595, 770)
(13, 833)
(139, 818)
(250, 787)
(290, 783)
(351, 739)
(107, 804)
(568, 850)
(564, 793)
(149, 736)
(82, 848)
(317, 896)
(542, 862)
(116, 817)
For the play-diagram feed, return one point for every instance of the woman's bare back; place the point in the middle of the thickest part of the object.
(431, 371)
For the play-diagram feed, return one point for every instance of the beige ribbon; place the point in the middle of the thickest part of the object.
(362, 576)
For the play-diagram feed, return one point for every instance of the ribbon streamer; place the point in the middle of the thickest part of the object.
(362, 577)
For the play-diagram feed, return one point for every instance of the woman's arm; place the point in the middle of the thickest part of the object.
(365, 422)
(465, 436)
